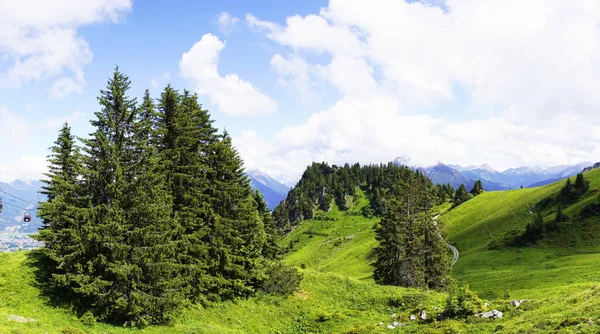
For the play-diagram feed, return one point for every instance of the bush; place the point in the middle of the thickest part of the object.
(461, 303)
(88, 319)
(281, 279)
(71, 330)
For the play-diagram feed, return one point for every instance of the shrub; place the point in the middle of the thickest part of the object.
(71, 330)
(281, 279)
(88, 319)
(461, 303)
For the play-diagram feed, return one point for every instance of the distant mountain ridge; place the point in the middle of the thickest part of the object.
(272, 190)
(493, 179)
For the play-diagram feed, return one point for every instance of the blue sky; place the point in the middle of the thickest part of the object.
(458, 81)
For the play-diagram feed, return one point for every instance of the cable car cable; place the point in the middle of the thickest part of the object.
(17, 197)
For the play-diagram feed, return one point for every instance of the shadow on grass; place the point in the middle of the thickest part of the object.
(55, 295)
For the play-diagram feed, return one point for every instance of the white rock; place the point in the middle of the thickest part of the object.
(380, 323)
(423, 315)
(487, 315)
(394, 315)
(391, 327)
(413, 317)
(18, 318)
(395, 323)
(515, 303)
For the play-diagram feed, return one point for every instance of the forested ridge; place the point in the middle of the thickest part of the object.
(322, 185)
(152, 211)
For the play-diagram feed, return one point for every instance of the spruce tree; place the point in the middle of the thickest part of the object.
(129, 273)
(271, 248)
(154, 236)
(238, 234)
(461, 195)
(399, 253)
(107, 273)
(581, 184)
(477, 188)
(185, 140)
(62, 213)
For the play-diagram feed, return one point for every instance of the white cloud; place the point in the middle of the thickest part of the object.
(160, 80)
(227, 22)
(530, 71)
(25, 142)
(233, 95)
(39, 39)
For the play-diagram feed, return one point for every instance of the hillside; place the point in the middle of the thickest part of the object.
(558, 277)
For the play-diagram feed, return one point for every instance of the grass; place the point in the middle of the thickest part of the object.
(559, 278)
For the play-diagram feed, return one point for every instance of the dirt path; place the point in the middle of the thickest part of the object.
(454, 250)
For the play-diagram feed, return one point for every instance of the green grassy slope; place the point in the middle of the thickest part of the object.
(336, 242)
(560, 277)
(337, 294)
(561, 273)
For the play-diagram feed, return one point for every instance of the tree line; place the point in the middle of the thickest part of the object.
(152, 211)
(322, 185)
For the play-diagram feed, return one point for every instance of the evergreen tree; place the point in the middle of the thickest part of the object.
(184, 137)
(271, 248)
(560, 216)
(581, 184)
(129, 272)
(238, 234)
(62, 212)
(461, 195)
(535, 230)
(477, 188)
(154, 236)
(566, 192)
(411, 251)
(108, 274)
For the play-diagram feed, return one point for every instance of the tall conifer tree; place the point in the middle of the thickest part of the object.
(238, 233)
(62, 212)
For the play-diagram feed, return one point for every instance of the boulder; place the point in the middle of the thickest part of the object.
(423, 315)
(515, 303)
(494, 314)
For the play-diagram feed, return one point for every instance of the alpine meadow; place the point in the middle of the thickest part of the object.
(320, 166)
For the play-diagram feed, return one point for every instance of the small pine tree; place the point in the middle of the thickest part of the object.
(477, 188)
(271, 248)
(461, 195)
(581, 184)
(534, 231)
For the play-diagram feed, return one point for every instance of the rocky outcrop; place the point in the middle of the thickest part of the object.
(589, 168)
(494, 314)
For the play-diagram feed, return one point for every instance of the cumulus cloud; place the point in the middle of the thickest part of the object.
(233, 95)
(25, 154)
(39, 39)
(529, 71)
(227, 22)
(159, 80)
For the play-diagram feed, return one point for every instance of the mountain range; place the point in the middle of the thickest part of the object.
(25, 193)
(272, 190)
(495, 180)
